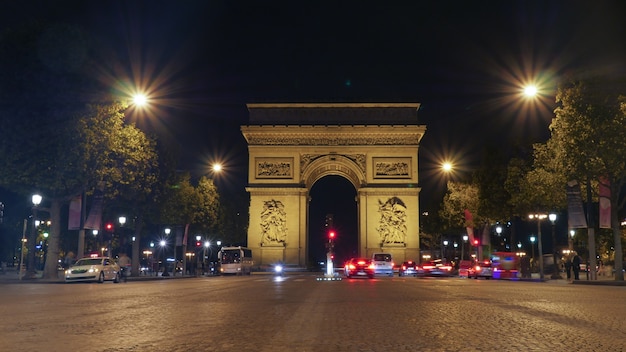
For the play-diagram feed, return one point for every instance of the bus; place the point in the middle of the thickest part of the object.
(235, 260)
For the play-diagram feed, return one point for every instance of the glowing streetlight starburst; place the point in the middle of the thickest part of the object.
(530, 91)
(140, 100)
(447, 166)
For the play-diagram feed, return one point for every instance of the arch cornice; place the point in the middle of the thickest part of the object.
(336, 135)
(334, 164)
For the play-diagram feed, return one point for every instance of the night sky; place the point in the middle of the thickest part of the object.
(464, 61)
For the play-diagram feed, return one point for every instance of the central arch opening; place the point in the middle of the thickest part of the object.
(332, 196)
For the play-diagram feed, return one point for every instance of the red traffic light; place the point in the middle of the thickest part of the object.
(475, 242)
(331, 235)
(108, 227)
(198, 244)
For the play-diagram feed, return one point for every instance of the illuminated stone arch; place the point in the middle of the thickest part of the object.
(373, 146)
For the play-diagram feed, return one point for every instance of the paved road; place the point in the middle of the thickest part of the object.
(302, 313)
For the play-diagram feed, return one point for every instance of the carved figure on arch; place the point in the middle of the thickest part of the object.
(273, 223)
(392, 225)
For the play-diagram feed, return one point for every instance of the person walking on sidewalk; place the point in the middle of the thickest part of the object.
(124, 263)
(576, 261)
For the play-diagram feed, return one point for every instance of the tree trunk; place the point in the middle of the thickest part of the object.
(52, 257)
(617, 237)
(136, 255)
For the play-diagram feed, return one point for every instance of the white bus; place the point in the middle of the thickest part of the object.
(235, 260)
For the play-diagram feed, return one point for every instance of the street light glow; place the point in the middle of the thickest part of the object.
(140, 100)
(217, 167)
(447, 166)
(530, 91)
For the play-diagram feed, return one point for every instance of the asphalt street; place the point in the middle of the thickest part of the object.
(304, 312)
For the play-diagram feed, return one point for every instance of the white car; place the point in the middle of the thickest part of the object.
(383, 264)
(97, 269)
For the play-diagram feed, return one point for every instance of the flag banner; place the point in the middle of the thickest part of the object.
(469, 223)
(575, 213)
(179, 236)
(185, 235)
(73, 221)
(486, 238)
(605, 203)
(94, 220)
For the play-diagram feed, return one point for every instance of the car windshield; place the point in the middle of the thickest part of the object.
(89, 261)
(382, 257)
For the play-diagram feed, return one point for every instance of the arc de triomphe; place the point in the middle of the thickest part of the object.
(373, 145)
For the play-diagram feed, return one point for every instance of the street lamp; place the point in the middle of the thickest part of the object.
(532, 246)
(555, 274)
(36, 199)
(570, 240)
(162, 243)
(539, 217)
(122, 221)
(444, 249)
(465, 238)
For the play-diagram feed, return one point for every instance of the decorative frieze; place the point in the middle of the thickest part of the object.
(274, 167)
(392, 167)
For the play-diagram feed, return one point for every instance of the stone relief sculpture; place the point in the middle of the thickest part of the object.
(273, 169)
(273, 223)
(392, 169)
(392, 225)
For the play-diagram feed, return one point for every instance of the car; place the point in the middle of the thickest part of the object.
(359, 267)
(99, 269)
(464, 268)
(408, 268)
(383, 264)
(481, 269)
(436, 268)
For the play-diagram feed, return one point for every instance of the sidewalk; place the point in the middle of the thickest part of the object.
(11, 276)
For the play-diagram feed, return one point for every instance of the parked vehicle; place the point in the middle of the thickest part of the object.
(99, 269)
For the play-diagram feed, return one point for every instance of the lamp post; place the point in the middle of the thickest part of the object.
(122, 221)
(570, 240)
(499, 232)
(205, 265)
(32, 238)
(532, 246)
(539, 217)
(444, 249)
(465, 238)
(163, 242)
(555, 275)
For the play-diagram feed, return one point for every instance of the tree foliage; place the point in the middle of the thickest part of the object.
(59, 135)
(588, 140)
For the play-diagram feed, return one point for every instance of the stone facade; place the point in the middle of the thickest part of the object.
(287, 158)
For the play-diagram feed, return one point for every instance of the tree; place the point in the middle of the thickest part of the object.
(59, 135)
(588, 138)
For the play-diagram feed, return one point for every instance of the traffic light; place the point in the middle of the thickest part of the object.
(108, 227)
(331, 235)
(475, 242)
(198, 244)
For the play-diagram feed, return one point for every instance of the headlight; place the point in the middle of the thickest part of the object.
(278, 268)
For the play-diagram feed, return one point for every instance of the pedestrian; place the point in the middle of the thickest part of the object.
(568, 267)
(576, 261)
(124, 263)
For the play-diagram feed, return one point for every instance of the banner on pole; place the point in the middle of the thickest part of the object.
(605, 203)
(73, 222)
(575, 213)
(94, 220)
(469, 226)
